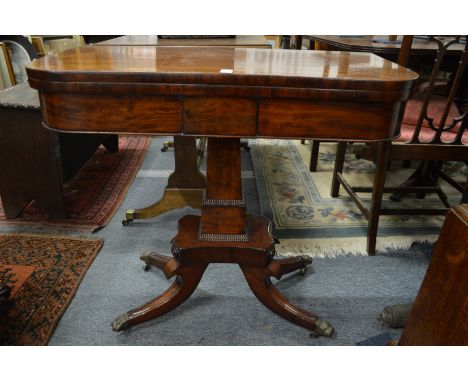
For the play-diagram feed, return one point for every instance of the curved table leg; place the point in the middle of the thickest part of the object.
(186, 282)
(185, 185)
(173, 198)
(278, 268)
(260, 284)
(156, 260)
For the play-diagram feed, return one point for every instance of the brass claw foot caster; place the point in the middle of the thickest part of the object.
(129, 216)
(166, 146)
(323, 329)
(121, 323)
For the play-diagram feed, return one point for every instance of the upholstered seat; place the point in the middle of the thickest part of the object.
(435, 110)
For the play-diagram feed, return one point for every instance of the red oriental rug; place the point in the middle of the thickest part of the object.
(44, 273)
(95, 193)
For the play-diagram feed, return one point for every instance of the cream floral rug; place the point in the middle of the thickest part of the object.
(308, 220)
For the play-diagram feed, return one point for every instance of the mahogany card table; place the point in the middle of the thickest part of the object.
(223, 94)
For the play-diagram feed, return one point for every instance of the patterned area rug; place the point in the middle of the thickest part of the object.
(44, 273)
(95, 192)
(308, 220)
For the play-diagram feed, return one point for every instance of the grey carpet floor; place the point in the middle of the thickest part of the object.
(347, 291)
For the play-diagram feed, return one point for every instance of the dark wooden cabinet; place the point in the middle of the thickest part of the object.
(35, 162)
(439, 314)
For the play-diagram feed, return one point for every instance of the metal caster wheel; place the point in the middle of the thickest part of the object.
(126, 222)
(303, 271)
(147, 267)
(163, 149)
(314, 335)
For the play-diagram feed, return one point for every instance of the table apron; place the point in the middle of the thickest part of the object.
(220, 116)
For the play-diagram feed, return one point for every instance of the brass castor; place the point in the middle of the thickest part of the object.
(129, 215)
(323, 329)
(147, 266)
(166, 146)
(303, 271)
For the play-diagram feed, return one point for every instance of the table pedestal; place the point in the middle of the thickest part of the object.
(223, 234)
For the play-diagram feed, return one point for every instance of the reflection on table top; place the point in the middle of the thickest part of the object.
(378, 43)
(153, 40)
(111, 63)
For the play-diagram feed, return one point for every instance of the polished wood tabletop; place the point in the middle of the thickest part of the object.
(220, 65)
(261, 88)
(153, 40)
(379, 43)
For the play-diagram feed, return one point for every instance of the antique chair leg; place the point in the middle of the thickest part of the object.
(112, 143)
(314, 152)
(383, 150)
(339, 163)
(186, 282)
(260, 284)
(464, 198)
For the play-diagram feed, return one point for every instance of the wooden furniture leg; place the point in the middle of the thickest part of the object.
(185, 185)
(383, 148)
(314, 152)
(224, 234)
(185, 284)
(154, 259)
(339, 164)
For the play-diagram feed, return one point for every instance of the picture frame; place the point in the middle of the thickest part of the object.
(20, 52)
(6, 68)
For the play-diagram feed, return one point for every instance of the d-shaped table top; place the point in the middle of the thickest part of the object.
(220, 65)
(221, 91)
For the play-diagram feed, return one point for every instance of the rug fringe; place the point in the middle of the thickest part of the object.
(352, 246)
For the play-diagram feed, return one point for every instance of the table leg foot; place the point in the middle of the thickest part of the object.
(260, 284)
(121, 323)
(279, 268)
(155, 259)
(186, 282)
(172, 199)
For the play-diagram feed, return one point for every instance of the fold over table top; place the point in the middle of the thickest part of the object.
(241, 77)
(203, 65)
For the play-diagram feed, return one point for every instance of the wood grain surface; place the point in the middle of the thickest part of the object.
(181, 90)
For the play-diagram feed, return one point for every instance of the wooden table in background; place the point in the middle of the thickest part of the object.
(184, 91)
(378, 44)
(153, 40)
(186, 184)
